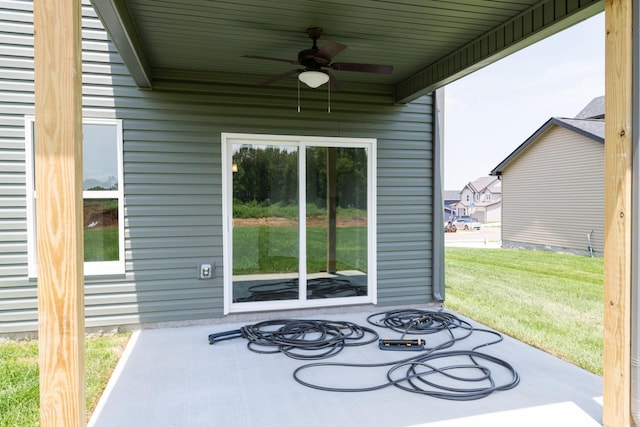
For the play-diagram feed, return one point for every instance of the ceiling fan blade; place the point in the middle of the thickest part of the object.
(268, 58)
(334, 83)
(280, 77)
(330, 49)
(364, 68)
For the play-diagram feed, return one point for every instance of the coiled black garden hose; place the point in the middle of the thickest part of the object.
(473, 379)
(301, 339)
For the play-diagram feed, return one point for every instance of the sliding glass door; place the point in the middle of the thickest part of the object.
(336, 222)
(299, 214)
(265, 222)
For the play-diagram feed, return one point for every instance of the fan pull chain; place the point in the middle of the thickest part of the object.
(328, 96)
(298, 95)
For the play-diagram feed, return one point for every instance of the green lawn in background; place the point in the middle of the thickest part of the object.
(264, 250)
(101, 244)
(549, 300)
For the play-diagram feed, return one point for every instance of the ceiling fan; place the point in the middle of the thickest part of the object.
(315, 61)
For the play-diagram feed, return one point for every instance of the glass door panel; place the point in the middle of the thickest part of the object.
(336, 222)
(265, 223)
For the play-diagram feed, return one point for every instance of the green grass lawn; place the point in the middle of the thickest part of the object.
(101, 244)
(19, 390)
(551, 301)
(265, 250)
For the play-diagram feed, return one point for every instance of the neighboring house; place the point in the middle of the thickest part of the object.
(552, 184)
(481, 199)
(451, 197)
(163, 169)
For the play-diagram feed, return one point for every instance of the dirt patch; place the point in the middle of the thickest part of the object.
(288, 222)
(97, 216)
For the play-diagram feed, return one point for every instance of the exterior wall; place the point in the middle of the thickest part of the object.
(172, 183)
(487, 213)
(479, 213)
(462, 207)
(553, 194)
(467, 193)
(493, 213)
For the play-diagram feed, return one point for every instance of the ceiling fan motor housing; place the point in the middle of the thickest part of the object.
(308, 57)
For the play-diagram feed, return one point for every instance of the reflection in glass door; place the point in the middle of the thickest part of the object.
(286, 247)
(265, 223)
(336, 222)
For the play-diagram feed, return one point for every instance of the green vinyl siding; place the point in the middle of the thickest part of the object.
(172, 178)
(17, 295)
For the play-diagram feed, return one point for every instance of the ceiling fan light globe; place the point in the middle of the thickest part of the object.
(313, 79)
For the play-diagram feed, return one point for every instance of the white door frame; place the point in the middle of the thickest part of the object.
(228, 140)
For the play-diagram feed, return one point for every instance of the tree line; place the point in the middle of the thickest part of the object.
(269, 175)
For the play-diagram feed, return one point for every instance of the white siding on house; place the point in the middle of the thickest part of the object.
(493, 213)
(553, 193)
(172, 182)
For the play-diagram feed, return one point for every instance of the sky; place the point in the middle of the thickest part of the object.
(490, 112)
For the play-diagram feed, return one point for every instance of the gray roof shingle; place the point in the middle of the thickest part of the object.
(593, 127)
(593, 110)
(482, 182)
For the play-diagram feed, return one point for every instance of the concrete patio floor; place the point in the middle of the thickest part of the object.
(173, 377)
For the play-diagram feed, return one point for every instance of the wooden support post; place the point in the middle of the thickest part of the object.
(618, 185)
(58, 178)
(332, 200)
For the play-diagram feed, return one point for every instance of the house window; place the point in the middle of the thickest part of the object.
(487, 196)
(299, 215)
(477, 195)
(468, 198)
(102, 194)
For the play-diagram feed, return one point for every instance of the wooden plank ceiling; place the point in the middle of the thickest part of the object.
(429, 42)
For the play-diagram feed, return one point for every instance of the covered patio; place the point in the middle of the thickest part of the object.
(175, 51)
(172, 376)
